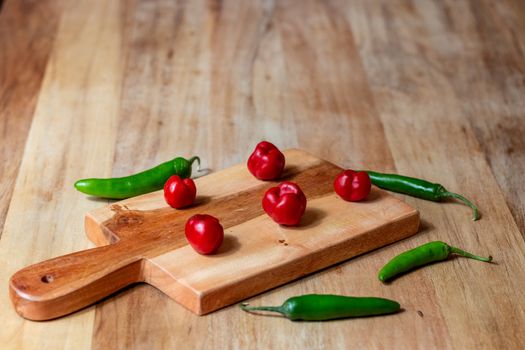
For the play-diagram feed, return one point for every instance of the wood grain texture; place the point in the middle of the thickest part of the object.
(426, 88)
(143, 240)
(57, 151)
(417, 82)
(27, 30)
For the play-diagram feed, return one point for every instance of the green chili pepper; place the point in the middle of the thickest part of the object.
(147, 181)
(417, 188)
(422, 255)
(321, 307)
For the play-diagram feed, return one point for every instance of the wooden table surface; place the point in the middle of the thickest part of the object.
(432, 89)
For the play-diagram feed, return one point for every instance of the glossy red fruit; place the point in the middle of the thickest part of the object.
(352, 185)
(204, 233)
(266, 162)
(178, 192)
(285, 203)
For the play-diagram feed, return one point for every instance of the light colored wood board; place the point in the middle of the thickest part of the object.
(264, 256)
(45, 215)
(258, 254)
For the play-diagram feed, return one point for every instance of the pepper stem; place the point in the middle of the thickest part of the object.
(475, 214)
(262, 308)
(195, 158)
(469, 255)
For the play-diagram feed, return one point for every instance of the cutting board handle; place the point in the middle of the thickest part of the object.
(59, 286)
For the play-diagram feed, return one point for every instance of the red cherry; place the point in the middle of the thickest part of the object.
(352, 185)
(178, 192)
(204, 233)
(266, 162)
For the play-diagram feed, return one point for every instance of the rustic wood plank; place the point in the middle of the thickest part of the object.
(213, 78)
(27, 30)
(72, 131)
(490, 81)
(412, 81)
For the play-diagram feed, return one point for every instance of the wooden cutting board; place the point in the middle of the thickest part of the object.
(141, 239)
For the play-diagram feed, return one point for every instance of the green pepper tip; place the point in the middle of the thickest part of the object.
(195, 158)
(381, 277)
(461, 252)
(476, 215)
(80, 184)
(475, 212)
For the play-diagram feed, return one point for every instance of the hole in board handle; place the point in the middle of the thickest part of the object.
(47, 278)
